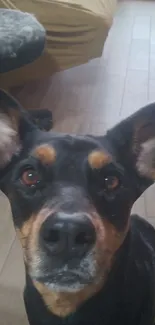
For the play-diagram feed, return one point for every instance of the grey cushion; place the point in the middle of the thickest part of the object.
(22, 39)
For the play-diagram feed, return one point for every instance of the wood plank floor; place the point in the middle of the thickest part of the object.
(91, 98)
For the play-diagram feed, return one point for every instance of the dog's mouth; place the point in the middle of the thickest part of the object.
(68, 277)
(61, 277)
(70, 280)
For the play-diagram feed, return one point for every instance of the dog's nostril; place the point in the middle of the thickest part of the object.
(53, 236)
(83, 238)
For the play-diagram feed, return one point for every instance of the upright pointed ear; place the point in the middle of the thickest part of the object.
(134, 141)
(15, 123)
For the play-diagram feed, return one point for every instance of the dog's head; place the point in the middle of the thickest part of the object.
(71, 197)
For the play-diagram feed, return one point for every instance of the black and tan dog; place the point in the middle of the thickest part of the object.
(87, 261)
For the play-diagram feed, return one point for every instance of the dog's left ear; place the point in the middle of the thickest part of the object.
(134, 141)
(15, 123)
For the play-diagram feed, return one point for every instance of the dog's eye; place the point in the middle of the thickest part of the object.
(30, 177)
(108, 186)
(111, 183)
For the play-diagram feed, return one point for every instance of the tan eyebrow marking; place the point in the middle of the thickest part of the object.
(98, 159)
(45, 153)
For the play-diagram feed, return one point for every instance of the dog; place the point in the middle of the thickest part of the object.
(87, 259)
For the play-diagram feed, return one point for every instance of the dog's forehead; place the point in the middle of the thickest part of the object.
(68, 145)
(65, 150)
(73, 142)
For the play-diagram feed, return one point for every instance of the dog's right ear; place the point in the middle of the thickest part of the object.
(15, 123)
(133, 140)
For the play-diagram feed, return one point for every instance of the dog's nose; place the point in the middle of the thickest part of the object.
(68, 236)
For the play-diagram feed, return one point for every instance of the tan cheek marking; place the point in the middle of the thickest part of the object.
(63, 304)
(98, 159)
(33, 240)
(24, 232)
(23, 235)
(28, 234)
(109, 240)
(45, 153)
